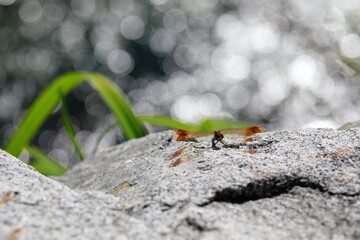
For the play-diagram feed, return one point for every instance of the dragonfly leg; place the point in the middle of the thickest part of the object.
(213, 143)
(223, 143)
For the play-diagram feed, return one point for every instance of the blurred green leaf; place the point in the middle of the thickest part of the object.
(354, 64)
(218, 124)
(205, 125)
(116, 101)
(50, 97)
(167, 122)
(69, 128)
(43, 163)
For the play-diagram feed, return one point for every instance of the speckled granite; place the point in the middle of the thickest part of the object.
(302, 184)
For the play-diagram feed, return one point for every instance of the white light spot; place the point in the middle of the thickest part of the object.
(274, 90)
(237, 97)
(6, 2)
(265, 39)
(71, 33)
(274, 87)
(162, 42)
(235, 67)
(186, 109)
(209, 105)
(350, 46)
(93, 106)
(144, 108)
(10, 105)
(60, 154)
(83, 8)
(132, 27)
(181, 83)
(30, 11)
(159, 2)
(38, 59)
(302, 71)
(120, 62)
(103, 50)
(206, 3)
(185, 56)
(175, 21)
(334, 20)
(229, 27)
(321, 124)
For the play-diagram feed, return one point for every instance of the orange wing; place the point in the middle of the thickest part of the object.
(182, 134)
(246, 132)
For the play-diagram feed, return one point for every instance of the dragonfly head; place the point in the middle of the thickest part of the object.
(218, 136)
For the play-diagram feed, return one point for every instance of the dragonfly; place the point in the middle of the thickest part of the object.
(218, 136)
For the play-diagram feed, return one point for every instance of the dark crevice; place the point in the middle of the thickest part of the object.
(194, 225)
(266, 188)
(259, 144)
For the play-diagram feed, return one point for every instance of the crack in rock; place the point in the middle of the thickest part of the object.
(267, 188)
(191, 222)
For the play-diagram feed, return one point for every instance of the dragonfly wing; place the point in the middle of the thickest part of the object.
(183, 135)
(244, 131)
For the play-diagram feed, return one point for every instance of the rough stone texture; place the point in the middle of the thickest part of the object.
(33, 206)
(302, 184)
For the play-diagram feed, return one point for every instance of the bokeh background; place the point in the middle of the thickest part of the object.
(283, 64)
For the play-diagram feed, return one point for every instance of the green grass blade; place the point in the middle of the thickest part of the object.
(50, 98)
(218, 124)
(70, 130)
(167, 122)
(39, 111)
(43, 163)
(206, 125)
(112, 96)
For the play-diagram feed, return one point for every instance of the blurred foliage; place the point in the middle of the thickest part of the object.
(283, 64)
(44, 163)
(167, 122)
(55, 94)
(69, 127)
(215, 124)
(50, 98)
(205, 125)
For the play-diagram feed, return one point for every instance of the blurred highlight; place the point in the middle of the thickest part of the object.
(281, 64)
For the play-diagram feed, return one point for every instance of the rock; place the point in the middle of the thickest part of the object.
(33, 206)
(302, 184)
(349, 125)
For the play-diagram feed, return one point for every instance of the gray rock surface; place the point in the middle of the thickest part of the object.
(33, 206)
(302, 184)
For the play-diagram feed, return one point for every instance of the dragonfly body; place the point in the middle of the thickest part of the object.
(218, 137)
